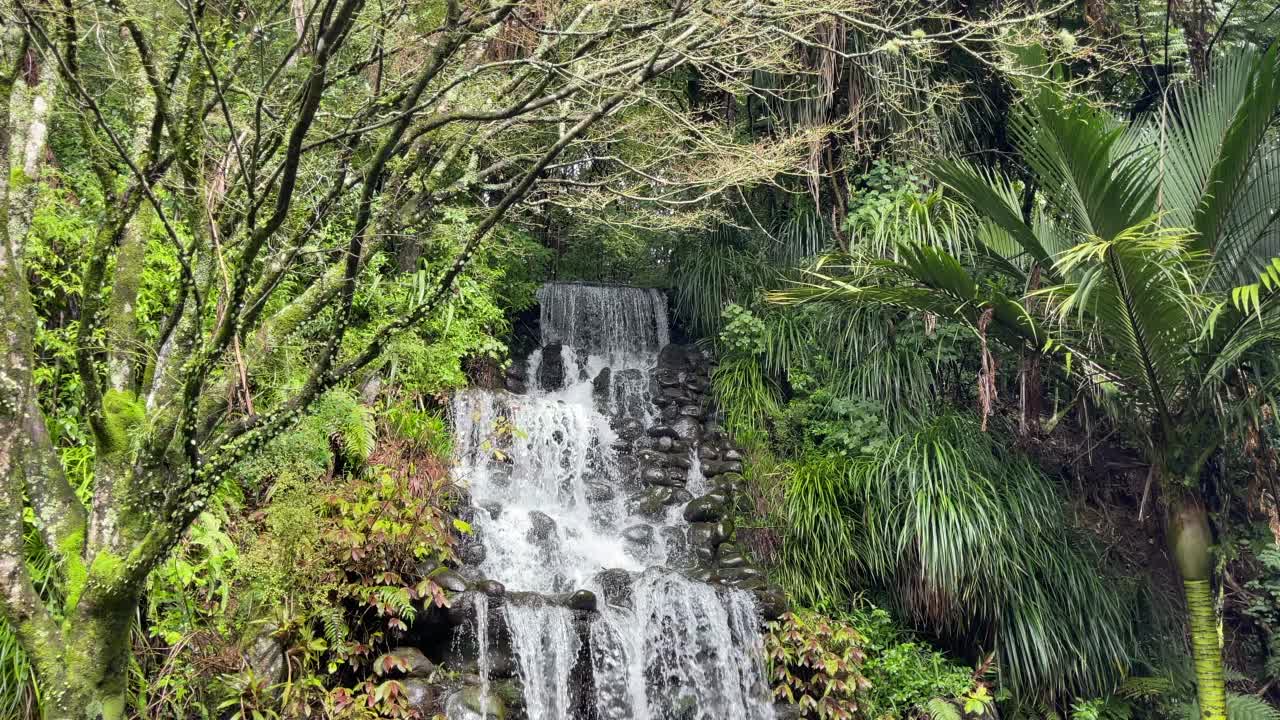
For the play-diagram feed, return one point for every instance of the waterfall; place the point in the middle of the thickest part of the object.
(546, 643)
(682, 652)
(560, 508)
(484, 665)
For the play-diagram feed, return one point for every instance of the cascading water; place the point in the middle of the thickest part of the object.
(560, 513)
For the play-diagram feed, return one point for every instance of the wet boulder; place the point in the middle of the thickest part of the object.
(471, 703)
(704, 509)
(629, 429)
(582, 600)
(543, 528)
(599, 492)
(491, 588)
(771, 602)
(551, 371)
(449, 580)
(732, 556)
(600, 387)
(654, 501)
(406, 661)
(615, 586)
(639, 535)
(419, 695)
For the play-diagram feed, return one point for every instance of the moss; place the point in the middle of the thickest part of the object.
(106, 569)
(76, 572)
(124, 413)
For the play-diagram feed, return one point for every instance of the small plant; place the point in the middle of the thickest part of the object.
(816, 663)
(743, 332)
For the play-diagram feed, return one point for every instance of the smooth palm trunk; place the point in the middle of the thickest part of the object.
(1190, 540)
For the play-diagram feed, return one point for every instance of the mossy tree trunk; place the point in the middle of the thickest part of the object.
(88, 680)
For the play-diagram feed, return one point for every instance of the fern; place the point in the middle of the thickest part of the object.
(1249, 707)
(940, 709)
(334, 627)
(395, 601)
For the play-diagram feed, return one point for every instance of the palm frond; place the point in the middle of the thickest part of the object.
(1138, 290)
(1214, 141)
(1085, 165)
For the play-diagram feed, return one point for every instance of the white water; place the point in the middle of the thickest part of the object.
(484, 665)
(543, 467)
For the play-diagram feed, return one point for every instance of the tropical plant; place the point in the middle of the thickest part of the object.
(1158, 244)
(816, 664)
(966, 538)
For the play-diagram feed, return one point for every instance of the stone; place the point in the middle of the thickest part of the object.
(669, 412)
(676, 540)
(702, 542)
(639, 535)
(472, 552)
(408, 660)
(692, 411)
(680, 496)
(462, 609)
(680, 447)
(472, 699)
(731, 466)
(731, 556)
(680, 461)
(674, 394)
(449, 580)
(491, 588)
(663, 431)
(543, 529)
(551, 369)
(652, 457)
(419, 695)
(599, 492)
(706, 452)
(771, 601)
(516, 386)
(703, 574)
(582, 600)
(724, 530)
(667, 377)
(673, 357)
(732, 454)
(615, 585)
(600, 387)
(654, 501)
(654, 476)
(677, 477)
(735, 575)
(629, 429)
(704, 509)
(687, 429)
(663, 443)
(266, 656)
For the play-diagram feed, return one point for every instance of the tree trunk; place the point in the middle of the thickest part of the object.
(89, 680)
(1190, 540)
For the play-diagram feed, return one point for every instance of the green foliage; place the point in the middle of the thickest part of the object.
(743, 333)
(815, 663)
(904, 673)
(861, 664)
(967, 538)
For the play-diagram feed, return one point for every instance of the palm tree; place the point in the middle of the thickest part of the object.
(1152, 265)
